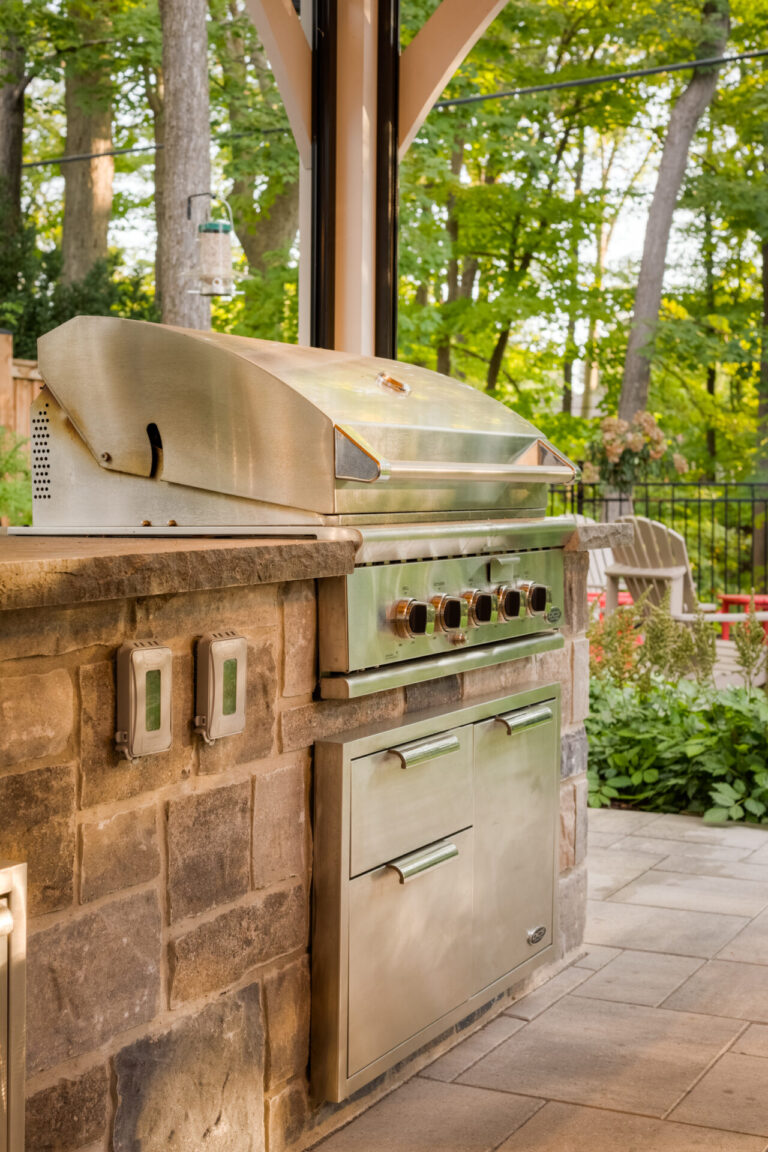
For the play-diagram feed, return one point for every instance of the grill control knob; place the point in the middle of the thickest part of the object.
(451, 613)
(413, 618)
(536, 597)
(482, 607)
(510, 602)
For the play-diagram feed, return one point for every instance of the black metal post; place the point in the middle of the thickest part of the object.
(388, 97)
(323, 254)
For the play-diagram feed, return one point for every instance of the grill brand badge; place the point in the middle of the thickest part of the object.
(554, 615)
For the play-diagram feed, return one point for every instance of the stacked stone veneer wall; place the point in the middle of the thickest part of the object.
(168, 967)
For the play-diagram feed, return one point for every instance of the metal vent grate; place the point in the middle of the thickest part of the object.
(41, 454)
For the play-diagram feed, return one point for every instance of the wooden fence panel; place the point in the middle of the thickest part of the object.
(20, 382)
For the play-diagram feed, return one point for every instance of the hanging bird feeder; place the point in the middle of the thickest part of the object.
(214, 251)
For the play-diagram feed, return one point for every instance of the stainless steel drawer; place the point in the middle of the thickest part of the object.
(410, 947)
(516, 793)
(407, 796)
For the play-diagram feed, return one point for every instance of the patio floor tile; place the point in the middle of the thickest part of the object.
(723, 988)
(536, 1002)
(610, 869)
(479, 1044)
(695, 893)
(602, 839)
(639, 978)
(596, 957)
(593, 1052)
(693, 828)
(672, 847)
(701, 866)
(650, 929)
(760, 856)
(619, 820)
(424, 1116)
(753, 1042)
(732, 1095)
(751, 945)
(570, 1128)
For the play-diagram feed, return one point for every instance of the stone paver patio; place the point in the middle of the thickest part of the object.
(654, 1040)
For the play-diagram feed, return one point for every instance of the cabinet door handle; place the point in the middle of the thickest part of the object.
(415, 863)
(529, 718)
(418, 751)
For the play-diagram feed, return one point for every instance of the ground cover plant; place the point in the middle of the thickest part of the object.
(662, 737)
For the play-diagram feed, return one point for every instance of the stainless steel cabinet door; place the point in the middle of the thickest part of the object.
(516, 805)
(410, 949)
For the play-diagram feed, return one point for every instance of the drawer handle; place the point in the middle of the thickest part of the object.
(6, 920)
(419, 751)
(519, 721)
(412, 865)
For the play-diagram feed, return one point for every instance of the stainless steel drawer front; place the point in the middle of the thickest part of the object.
(417, 863)
(410, 952)
(394, 812)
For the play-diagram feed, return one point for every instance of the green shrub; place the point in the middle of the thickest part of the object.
(681, 747)
(15, 479)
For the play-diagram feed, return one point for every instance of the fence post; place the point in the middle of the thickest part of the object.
(6, 378)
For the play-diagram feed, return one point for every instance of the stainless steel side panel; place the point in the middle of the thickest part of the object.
(410, 952)
(397, 809)
(356, 611)
(516, 784)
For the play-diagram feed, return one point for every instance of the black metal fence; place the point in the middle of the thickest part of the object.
(723, 525)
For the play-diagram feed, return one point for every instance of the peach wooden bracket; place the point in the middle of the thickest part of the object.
(290, 57)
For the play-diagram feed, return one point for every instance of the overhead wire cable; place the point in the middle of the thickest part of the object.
(457, 101)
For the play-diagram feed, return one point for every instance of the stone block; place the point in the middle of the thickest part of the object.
(512, 676)
(555, 667)
(567, 826)
(582, 814)
(36, 716)
(287, 1115)
(604, 535)
(572, 901)
(280, 821)
(574, 752)
(246, 610)
(299, 631)
(257, 741)
(197, 1086)
(38, 825)
(109, 776)
(57, 630)
(69, 1114)
(223, 950)
(580, 701)
(433, 694)
(300, 727)
(118, 853)
(209, 842)
(576, 614)
(287, 1011)
(92, 978)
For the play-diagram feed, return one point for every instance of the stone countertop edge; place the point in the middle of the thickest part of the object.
(38, 572)
(590, 536)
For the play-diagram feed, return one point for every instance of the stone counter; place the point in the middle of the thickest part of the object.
(168, 950)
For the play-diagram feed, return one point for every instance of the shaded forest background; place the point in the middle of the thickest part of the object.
(522, 219)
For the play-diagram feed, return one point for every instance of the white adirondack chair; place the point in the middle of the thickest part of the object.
(657, 559)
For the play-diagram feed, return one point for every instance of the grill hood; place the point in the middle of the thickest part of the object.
(203, 428)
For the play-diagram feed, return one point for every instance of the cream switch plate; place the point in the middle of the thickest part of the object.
(221, 680)
(144, 695)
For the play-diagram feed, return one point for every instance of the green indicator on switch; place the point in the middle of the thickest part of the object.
(153, 700)
(229, 687)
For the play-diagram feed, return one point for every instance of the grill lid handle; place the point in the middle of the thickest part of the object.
(357, 460)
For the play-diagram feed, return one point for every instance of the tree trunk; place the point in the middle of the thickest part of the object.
(87, 183)
(153, 86)
(683, 120)
(187, 166)
(12, 86)
(573, 272)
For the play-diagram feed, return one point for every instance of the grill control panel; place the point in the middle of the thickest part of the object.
(389, 612)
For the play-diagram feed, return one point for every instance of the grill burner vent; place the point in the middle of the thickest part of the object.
(41, 453)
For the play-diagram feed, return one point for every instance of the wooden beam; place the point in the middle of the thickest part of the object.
(433, 56)
(290, 56)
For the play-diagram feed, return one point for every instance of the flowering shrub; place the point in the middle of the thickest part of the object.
(623, 453)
